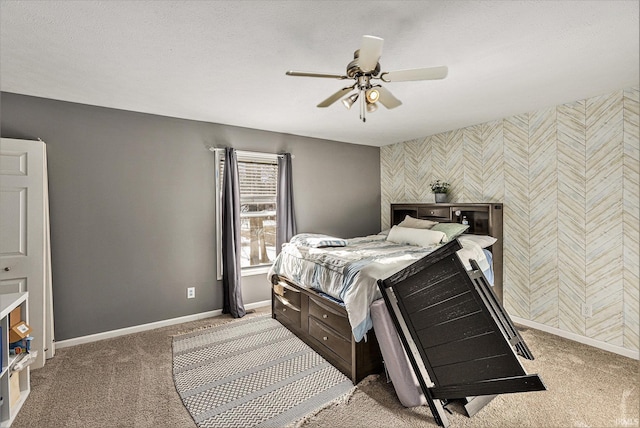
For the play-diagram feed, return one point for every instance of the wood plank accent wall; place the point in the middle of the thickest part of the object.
(569, 179)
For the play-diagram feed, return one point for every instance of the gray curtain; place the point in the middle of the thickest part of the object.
(231, 270)
(285, 218)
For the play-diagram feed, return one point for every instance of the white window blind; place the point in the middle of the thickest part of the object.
(258, 181)
(258, 177)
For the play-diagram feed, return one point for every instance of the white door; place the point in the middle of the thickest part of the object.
(24, 254)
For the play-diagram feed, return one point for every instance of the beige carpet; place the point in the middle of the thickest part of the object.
(586, 387)
(127, 382)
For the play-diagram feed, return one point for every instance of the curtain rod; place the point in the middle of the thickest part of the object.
(244, 152)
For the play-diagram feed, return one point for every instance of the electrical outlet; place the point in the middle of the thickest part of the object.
(587, 310)
(191, 292)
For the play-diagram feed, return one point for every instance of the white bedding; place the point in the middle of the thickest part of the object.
(350, 273)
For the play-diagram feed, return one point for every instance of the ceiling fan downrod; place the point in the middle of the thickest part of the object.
(364, 84)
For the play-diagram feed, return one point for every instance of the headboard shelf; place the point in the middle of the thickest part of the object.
(483, 218)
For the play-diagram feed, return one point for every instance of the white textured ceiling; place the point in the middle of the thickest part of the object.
(225, 61)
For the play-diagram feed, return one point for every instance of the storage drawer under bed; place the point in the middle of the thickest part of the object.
(286, 312)
(331, 317)
(288, 293)
(330, 339)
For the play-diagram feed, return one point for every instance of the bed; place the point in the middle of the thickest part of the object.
(322, 287)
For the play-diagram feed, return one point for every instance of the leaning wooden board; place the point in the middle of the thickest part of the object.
(459, 340)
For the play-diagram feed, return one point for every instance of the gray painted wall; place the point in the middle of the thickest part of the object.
(132, 207)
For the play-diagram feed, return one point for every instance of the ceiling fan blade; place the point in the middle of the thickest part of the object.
(311, 74)
(387, 99)
(431, 73)
(335, 97)
(370, 52)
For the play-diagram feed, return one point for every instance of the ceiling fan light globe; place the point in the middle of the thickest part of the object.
(372, 95)
(350, 100)
(371, 107)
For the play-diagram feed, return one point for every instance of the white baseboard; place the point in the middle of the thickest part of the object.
(578, 338)
(150, 326)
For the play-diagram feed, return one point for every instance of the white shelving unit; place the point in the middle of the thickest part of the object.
(13, 390)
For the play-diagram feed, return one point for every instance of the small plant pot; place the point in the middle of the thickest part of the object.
(441, 197)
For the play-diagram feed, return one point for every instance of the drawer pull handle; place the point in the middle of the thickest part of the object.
(325, 316)
(325, 338)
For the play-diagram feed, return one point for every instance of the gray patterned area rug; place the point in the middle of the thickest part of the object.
(252, 373)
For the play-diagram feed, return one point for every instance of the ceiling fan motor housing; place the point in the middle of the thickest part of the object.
(353, 68)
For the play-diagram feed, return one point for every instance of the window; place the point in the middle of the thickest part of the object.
(258, 175)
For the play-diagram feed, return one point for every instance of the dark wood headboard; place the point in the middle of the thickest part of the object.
(483, 218)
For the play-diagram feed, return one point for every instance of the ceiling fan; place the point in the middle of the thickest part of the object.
(364, 69)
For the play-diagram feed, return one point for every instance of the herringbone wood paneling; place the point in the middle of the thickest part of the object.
(631, 217)
(417, 162)
(472, 158)
(590, 244)
(516, 215)
(543, 219)
(571, 132)
(439, 159)
(492, 162)
(455, 165)
(604, 237)
(426, 170)
(391, 178)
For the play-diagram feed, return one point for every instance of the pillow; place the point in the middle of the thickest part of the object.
(471, 250)
(419, 237)
(416, 223)
(484, 241)
(451, 230)
(317, 240)
(384, 232)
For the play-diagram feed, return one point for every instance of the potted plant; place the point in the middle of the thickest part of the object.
(440, 190)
